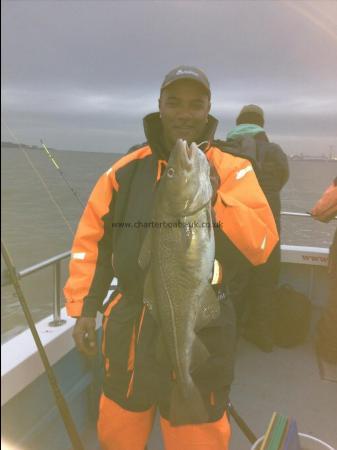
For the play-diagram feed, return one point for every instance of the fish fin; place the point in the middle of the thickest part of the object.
(199, 354)
(144, 257)
(209, 308)
(149, 295)
(188, 407)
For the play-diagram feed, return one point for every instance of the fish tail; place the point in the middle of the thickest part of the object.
(188, 406)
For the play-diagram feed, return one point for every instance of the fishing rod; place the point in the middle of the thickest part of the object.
(60, 400)
(241, 423)
(60, 171)
(37, 173)
(13, 277)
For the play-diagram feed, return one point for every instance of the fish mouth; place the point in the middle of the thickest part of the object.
(184, 155)
(189, 152)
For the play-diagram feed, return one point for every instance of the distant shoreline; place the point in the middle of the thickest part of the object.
(308, 159)
(10, 145)
(5, 144)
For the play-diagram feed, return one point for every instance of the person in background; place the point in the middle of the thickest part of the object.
(325, 210)
(134, 382)
(254, 306)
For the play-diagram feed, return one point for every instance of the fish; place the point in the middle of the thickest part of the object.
(177, 256)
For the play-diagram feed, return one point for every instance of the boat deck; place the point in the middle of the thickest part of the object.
(286, 380)
(289, 381)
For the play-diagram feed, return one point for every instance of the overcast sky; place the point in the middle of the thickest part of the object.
(82, 74)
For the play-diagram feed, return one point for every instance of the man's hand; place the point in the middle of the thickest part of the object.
(84, 335)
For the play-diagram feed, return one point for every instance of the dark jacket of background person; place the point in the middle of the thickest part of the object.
(254, 286)
(273, 172)
(271, 163)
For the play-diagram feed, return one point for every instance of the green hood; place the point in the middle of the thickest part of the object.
(244, 129)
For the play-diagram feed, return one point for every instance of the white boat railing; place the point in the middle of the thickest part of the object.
(55, 262)
(295, 214)
(299, 214)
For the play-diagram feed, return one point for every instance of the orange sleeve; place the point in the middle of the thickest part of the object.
(326, 207)
(242, 209)
(90, 268)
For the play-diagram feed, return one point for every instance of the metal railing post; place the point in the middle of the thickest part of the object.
(57, 296)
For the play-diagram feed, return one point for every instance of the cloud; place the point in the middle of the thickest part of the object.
(76, 101)
(87, 71)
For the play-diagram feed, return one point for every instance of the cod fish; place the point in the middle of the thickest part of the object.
(178, 256)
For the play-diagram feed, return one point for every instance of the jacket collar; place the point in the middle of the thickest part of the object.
(246, 129)
(154, 134)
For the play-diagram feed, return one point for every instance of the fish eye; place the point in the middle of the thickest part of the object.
(170, 172)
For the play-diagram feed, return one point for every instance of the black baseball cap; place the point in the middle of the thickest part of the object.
(186, 73)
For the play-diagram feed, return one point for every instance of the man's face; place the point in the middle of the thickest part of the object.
(184, 107)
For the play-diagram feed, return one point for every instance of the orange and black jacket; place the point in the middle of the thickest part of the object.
(109, 234)
(107, 244)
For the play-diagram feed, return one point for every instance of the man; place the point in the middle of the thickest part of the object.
(326, 332)
(135, 382)
(271, 165)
